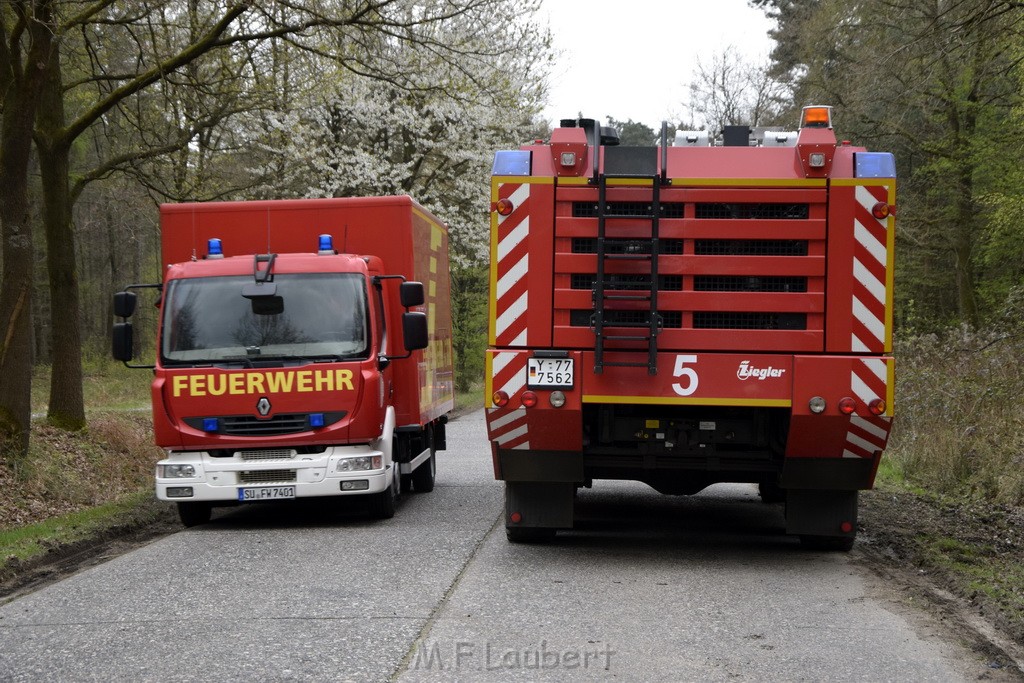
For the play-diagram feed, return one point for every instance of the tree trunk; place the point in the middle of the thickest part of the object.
(67, 405)
(21, 79)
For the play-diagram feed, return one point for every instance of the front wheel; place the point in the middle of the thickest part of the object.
(194, 514)
(382, 505)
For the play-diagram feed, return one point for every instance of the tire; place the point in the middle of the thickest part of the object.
(771, 492)
(828, 543)
(382, 505)
(423, 476)
(517, 534)
(194, 514)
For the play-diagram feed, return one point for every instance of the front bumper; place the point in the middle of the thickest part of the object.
(316, 475)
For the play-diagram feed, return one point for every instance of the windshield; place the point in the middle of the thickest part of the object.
(208, 319)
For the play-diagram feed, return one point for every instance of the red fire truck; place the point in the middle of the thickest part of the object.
(691, 313)
(288, 361)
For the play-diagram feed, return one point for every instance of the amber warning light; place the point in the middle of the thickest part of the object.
(816, 117)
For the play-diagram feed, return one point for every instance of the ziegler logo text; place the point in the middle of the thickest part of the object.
(745, 371)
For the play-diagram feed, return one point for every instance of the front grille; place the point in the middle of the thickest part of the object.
(588, 245)
(762, 211)
(249, 425)
(749, 321)
(240, 425)
(266, 476)
(627, 210)
(642, 283)
(267, 454)
(742, 283)
(750, 247)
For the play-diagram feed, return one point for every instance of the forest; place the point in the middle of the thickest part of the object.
(112, 107)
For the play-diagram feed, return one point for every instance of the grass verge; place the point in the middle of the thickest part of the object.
(25, 542)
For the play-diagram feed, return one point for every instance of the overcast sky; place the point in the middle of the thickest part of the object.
(632, 60)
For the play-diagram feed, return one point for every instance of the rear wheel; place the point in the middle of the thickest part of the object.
(840, 543)
(423, 476)
(529, 534)
(771, 492)
(194, 514)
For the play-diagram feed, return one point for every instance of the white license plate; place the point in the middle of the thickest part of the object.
(254, 493)
(549, 373)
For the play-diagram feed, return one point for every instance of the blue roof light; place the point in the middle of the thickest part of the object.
(874, 165)
(214, 248)
(511, 162)
(326, 245)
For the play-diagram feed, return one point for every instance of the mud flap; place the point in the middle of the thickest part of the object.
(821, 513)
(539, 504)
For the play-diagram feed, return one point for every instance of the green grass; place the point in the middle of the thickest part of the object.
(979, 568)
(107, 385)
(26, 542)
(468, 401)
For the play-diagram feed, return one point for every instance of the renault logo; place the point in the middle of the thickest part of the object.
(263, 406)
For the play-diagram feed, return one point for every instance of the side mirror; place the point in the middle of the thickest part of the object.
(414, 330)
(124, 304)
(122, 342)
(411, 294)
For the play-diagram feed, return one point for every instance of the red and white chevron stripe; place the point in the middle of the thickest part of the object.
(868, 433)
(508, 426)
(509, 429)
(870, 271)
(511, 292)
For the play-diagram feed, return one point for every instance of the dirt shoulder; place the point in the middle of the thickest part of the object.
(143, 523)
(961, 560)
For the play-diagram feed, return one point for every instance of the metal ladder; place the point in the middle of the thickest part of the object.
(599, 321)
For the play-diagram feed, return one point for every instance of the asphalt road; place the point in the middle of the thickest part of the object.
(646, 588)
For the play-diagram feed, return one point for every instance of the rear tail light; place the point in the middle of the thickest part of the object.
(877, 406)
(880, 210)
(529, 399)
(504, 206)
(499, 398)
(847, 405)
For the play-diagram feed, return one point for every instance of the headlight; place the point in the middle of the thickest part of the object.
(175, 471)
(358, 464)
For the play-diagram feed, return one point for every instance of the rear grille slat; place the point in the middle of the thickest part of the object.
(612, 246)
(750, 247)
(743, 283)
(749, 321)
(627, 210)
(761, 211)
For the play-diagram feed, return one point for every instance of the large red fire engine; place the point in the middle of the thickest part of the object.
(691, 313)
(288, 363)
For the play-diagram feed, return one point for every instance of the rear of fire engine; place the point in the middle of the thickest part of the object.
(691, 313)
(285, 369)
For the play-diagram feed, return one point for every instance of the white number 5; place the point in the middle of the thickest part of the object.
(689, 373)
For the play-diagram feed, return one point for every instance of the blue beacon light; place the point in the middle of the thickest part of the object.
(326, 245)
(214, 248)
